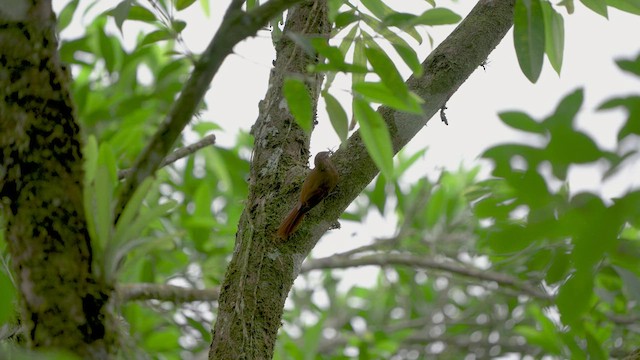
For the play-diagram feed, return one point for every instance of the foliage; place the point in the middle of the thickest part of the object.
(508, 264)
(569, 279)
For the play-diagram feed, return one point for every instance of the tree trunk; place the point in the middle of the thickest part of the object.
(41, 187)
(261, 271)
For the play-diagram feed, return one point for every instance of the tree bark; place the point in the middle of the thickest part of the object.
(259, 276)
(63, 303)
(262, 269)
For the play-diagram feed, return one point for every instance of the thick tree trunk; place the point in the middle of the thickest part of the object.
(41, 177)
(263, 269)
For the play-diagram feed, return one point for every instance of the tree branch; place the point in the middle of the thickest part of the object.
(177, 154)
(165, 292)
(129, 292)
(236, 26)
(419, 340)
(392, 259)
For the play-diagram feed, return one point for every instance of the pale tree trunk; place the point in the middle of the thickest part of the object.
(263, 268)
(63, 303)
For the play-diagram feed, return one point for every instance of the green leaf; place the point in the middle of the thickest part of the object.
(107, 51)
(183, 4)
(205, 126)
(178, 25)
(346, 18)
(521, 121)
(375, 136)
(386, 69)
(631, 282)
(545, 336)
(155, 36)
(378, 196)
(632, 106)
(410, 58)
(120, 13)
(566, 111)
(554, 36)
(435, 208)
(399, 19)
(334, 8)
(165, 339)
(105, 182)
(568, 4)
(632, 66)
(116, 252)
(337, 115)
(574, 297)
(572, 147)
(379, 93)
(348, 40)
(405, 163)
(66, 15)
(403, 49)
(595, 346)
(90, 153)
(140, 13)
(103, 210)
(599, 6)
(322, 46)
(559, 268)
(144, 220)
(630, 6)
(529, 37)
(437, 16)
(7, 298)
(359, 59)
(299, 100)
(206, 7)
(378, 8)
(131, 210)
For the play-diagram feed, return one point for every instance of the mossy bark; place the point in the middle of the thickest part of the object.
(63, 305)
(262, 271)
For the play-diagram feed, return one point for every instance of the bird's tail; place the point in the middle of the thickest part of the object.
(290, 224)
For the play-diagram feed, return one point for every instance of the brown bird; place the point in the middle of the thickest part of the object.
(318, 184)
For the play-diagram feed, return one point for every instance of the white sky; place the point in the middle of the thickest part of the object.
(591, 45)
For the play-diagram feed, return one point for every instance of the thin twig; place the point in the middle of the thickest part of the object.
(177, 155)
(388, 259)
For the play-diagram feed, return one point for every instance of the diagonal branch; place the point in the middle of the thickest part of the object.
(236, 26)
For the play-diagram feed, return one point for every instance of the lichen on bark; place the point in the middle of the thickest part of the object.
(63, 303)
(252, 301)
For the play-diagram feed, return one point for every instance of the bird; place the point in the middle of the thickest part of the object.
(317, 186)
